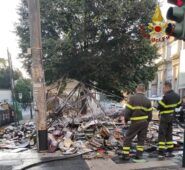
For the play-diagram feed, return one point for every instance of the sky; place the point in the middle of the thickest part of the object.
(8, 39)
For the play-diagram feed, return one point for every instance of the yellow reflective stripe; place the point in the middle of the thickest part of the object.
(169, 143)
(126, 148)
(162, 147)
(140, 149)
(162, 103)
(139, 118)
(179, 102)
(161, 143)
(129, 106)
(126, 152)
(167, 112)
(139, 108)
(169, 105)
(138, 146)
(170, 146)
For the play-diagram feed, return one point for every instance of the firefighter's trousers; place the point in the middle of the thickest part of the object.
(165, 134)
(138, 128)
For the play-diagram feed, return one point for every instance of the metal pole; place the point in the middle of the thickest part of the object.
(31, 113)
(38, 79)
(12, 88)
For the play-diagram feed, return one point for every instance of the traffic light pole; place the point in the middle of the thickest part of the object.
(38, 79)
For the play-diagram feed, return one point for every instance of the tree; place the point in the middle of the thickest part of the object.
(24, 87)
(5, 82)
(96, 42)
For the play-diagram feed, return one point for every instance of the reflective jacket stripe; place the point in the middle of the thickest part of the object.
(169, 105)
(139, 108)
(169, 143)
(167, 112)
(139, 118)
(161, 143)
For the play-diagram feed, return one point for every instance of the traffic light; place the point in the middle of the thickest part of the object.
(176, 14)
(179, 3)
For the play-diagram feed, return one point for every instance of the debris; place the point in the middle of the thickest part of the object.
(14, 137)
(68, 142)
(98, 133)
(52, 143)
(104, 132)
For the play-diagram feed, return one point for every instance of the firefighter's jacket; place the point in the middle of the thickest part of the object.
(170, 101)
(138, 108)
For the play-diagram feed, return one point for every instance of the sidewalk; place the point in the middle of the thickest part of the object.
(16, 161)
(151, 165)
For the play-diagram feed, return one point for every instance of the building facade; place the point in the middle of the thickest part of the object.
(5, 96)
(171, 67)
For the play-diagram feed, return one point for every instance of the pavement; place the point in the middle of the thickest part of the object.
(19, 161)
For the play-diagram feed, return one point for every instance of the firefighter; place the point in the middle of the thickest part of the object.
(139, 112)
(166, 108)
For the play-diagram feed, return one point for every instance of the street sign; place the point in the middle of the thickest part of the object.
(20, 96)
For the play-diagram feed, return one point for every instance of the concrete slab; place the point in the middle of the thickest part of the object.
(2, 167)
(110, 165)
(11, 162)
(99, 164)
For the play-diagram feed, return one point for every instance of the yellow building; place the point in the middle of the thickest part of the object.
(170, 68)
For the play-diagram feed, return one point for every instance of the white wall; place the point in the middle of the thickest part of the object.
(5, 95)
(182, 70)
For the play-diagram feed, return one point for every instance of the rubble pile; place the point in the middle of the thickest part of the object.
(95, 134)
(72, 136)
(14, 137)
(69, 136)
(100, 137)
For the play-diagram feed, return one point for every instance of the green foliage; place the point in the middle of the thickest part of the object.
(94, 41)
(3, 63)
(5, 82)
(23, 86)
